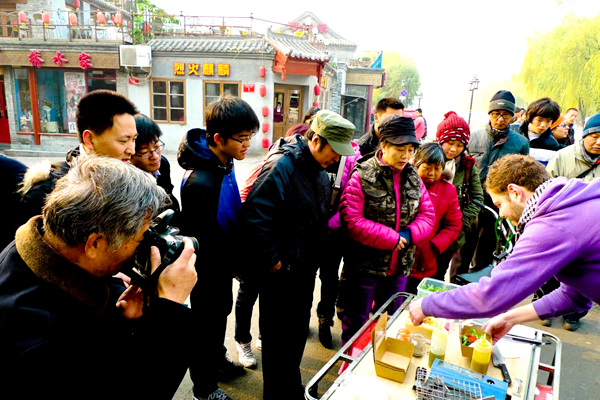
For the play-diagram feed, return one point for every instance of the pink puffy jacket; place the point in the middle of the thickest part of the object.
(373, 234)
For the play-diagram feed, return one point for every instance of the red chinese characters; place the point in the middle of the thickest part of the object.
(35, 59)
(85, 61)
(59, 59)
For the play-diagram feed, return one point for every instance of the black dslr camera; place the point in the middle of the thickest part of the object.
(168, 242)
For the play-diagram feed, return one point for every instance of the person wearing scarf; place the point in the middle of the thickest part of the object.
(453, 134)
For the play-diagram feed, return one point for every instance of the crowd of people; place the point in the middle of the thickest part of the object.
(393, 208)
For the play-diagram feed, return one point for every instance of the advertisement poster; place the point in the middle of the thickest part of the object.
(75, 90)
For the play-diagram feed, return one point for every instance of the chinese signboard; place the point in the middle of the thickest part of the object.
(207, 69)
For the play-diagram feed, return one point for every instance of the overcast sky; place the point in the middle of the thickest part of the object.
(450, 41)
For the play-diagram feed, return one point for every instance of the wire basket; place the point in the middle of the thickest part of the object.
(441, 387)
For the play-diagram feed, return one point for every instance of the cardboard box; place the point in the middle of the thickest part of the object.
(391, 356)
(467, 351)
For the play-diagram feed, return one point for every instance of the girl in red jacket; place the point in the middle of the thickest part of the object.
(429, 162)
(386, 210)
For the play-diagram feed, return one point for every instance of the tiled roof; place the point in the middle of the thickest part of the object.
(212, 45)
(295, 47)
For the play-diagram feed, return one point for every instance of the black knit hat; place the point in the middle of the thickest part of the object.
(502, 100)
(398, 130)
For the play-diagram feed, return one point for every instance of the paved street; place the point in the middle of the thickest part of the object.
(581, 349)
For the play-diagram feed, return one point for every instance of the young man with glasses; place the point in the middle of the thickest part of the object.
(488, 145)
(210, 201)
(148, 156)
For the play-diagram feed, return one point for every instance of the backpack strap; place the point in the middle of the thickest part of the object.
(586, 172)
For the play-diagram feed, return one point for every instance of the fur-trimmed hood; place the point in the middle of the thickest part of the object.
(50, 266)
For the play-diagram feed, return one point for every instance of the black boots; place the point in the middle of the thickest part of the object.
(325, 325)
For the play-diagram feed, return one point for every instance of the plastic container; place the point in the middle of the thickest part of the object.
(422, 291)
(439, 340)
(482, 352)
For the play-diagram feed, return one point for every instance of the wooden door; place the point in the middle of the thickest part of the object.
(287, 108)
(4, 130)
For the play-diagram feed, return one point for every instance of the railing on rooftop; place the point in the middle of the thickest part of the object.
(66, 25)
(148, 27)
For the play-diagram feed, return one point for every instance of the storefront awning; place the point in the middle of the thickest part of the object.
(296, 56)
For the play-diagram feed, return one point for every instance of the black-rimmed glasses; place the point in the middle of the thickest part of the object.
(158, 150)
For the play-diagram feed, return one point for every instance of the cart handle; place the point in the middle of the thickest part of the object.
(311, 387)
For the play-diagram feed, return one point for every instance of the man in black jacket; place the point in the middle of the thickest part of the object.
(69, 329)
(284, 226)
(385, 107)
(210, 201)
(105, 127)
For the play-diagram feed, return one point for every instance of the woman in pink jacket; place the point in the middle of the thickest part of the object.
(429, 162)
(386, 210)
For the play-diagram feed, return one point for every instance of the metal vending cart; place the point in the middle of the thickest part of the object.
(529, 374)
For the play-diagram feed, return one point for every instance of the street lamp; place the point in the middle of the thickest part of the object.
(473, 86)
(419, 97)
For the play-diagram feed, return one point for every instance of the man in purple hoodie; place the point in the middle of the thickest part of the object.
(559, 237)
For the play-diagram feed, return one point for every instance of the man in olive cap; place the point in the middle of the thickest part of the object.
(284, 230)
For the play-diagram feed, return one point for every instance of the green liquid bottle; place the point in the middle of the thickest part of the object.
(439, 339)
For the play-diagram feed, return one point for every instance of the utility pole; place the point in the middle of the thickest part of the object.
(473, 86)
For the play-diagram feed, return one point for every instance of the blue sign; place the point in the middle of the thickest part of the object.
(404, 93)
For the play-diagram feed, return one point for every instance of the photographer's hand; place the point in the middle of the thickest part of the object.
(131, 302)
(178, 279)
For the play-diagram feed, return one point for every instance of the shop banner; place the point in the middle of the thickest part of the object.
(75, 90)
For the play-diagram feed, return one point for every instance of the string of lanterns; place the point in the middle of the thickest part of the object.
(262, 72)
(117, 18)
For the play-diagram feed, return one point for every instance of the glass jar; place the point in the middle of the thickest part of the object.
(403, 335)
(418, 341)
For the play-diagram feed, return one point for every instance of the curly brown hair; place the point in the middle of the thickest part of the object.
(517, 169)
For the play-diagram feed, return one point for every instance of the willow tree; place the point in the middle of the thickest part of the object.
(564, 64)
(402, 74)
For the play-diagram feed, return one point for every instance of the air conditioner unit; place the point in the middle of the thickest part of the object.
(135, 56)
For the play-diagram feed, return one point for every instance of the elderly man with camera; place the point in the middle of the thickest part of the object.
(69, 328)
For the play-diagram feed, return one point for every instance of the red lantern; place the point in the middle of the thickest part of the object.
(265, 127)
(317, 90)
(265, 111)
(146, 28)
(45, 18)
(316, 104)
(112, 18)
(119, 19)
(77, 4)
(22, 17)
(263, 90)
(100, 18)
(262, 71)
(72, 19)
(265, 142)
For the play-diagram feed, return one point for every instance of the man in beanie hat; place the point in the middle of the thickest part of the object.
(580, 160)
(381, 254)
(453, 134)
(488, 145)
(284, 229)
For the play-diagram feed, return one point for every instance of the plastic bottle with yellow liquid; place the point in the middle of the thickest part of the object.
(439, 339)
(482, 352)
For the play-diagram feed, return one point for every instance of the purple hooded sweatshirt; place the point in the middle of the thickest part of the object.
(561, 240)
